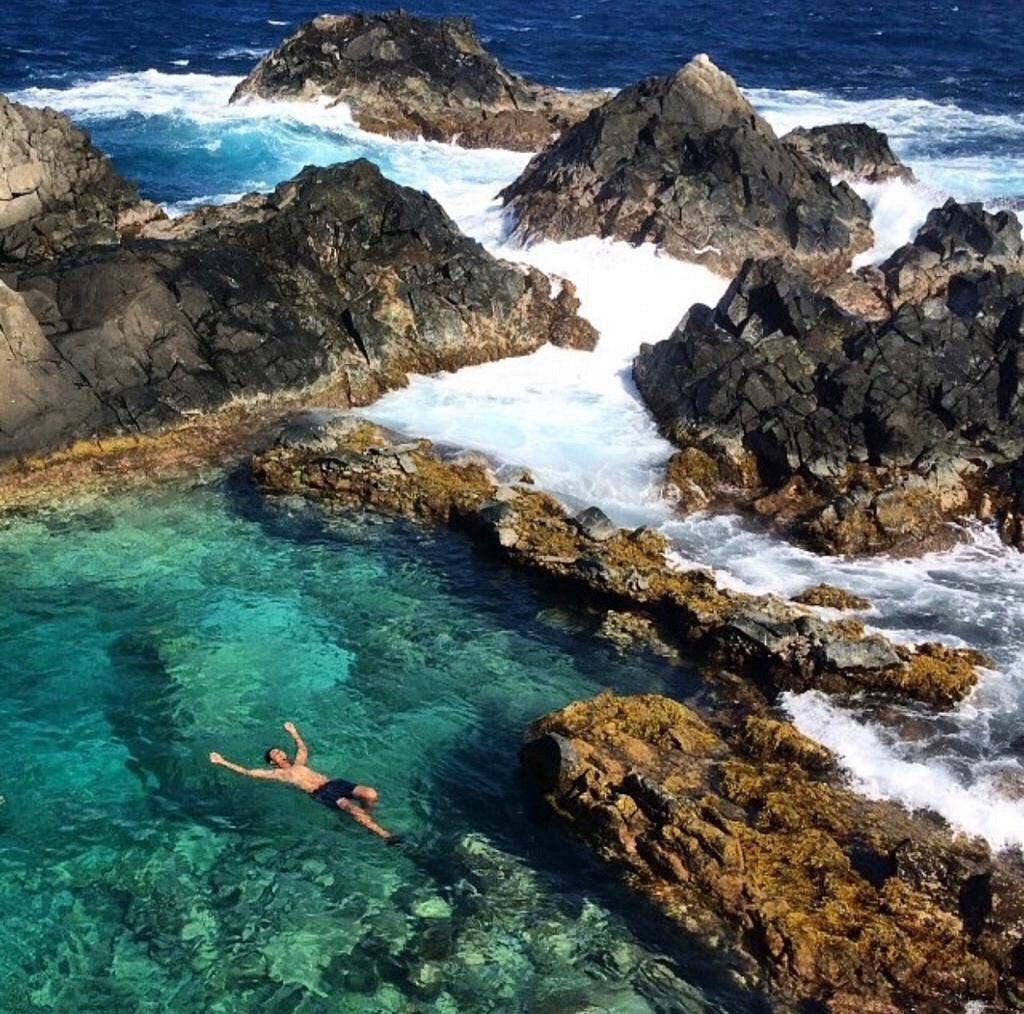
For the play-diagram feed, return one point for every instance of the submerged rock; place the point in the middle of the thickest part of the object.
(775, 643)
(339, 280)
(56, 189)
(851, 151)
(743, 836)
(409, 77)
(684, 161)
(858, 436)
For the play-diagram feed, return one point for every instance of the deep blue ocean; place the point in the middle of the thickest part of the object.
(137, 633)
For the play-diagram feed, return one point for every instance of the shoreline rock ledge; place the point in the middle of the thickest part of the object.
(685, 162)
(336, 286)
(776, 644)
(742, 835)
(406, 76)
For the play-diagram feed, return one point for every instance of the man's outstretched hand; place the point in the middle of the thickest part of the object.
(290, 728)
(215, 758)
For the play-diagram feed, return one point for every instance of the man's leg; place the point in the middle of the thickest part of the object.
(365, 796)
(360, 816)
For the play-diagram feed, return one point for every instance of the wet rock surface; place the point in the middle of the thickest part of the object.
(338, 281)
(830, 597)
(852, 151)
(743, 835)
(56, 190)
(684, 161)
(955, 239)
(855, 435)
(775, 643)
(407, 76)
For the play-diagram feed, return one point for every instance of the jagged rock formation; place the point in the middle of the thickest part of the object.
(775, 643)
(684, 161)
(743, 835)
(866, 436)
(955, 239)
(339, 278)
(407, 76)
(56, 189)
(851, 151)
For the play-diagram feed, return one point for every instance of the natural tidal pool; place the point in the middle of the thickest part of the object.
(142, 632)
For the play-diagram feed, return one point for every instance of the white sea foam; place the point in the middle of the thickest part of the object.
(898, 210)
(572, 417)
(931, 136)
(879, 770)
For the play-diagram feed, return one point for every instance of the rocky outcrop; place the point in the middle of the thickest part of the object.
(340, 281)
(858, 436)
(775, 643)
(827, 596)
(56, 189)
(851, 151)
(955, 239)
(684, 161)
(410, 77)
(744, 836)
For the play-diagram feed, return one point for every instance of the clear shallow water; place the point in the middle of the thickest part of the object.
(149, 631)
(144, 632)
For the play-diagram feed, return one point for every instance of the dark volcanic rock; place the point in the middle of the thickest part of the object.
(408, 76)
(685, 162)
(742, 834)
(887, 424)
(954, 239)
(56, 189)
(853, 151)
(339, 279)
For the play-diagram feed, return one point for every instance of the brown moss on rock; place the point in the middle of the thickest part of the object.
(831, 597)
(773, 642)
(741, 838)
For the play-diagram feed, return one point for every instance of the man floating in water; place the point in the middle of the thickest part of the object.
(355, 800)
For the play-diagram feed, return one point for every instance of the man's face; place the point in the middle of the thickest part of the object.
(279, 759)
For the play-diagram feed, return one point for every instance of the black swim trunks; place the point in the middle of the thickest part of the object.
(330, 792)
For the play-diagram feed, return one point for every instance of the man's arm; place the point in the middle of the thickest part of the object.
(215, 758)
(301, 750)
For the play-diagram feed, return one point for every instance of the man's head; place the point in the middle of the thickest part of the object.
(276, 757)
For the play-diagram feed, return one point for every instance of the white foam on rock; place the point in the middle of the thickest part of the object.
(898, 210)
(879, 771)
(936, 139)
(572, 417)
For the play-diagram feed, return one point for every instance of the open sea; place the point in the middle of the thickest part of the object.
(140, 632)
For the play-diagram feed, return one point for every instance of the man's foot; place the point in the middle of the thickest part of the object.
(394, 839)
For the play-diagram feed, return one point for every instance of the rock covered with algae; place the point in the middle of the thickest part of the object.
(776, 643)
(743, 836)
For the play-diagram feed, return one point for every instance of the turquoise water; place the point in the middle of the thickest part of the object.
(142, 632)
